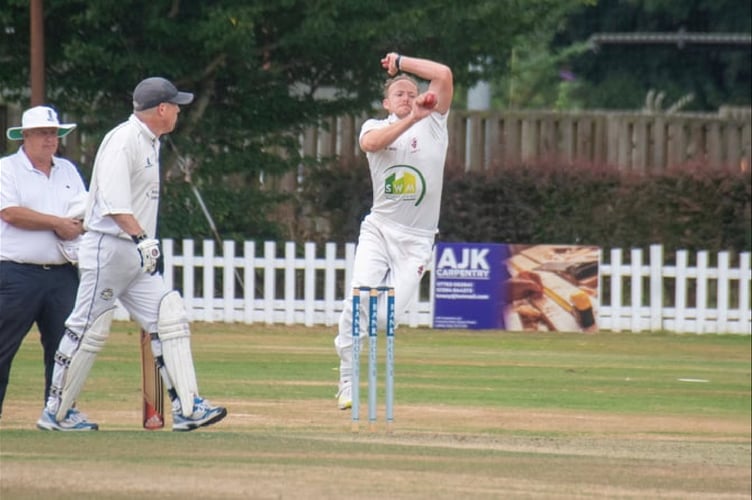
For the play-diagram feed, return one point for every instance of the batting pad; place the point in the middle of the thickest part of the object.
(82, 359)
(175, 337)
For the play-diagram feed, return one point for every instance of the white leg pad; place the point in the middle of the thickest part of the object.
(175, 337)
(74, 360)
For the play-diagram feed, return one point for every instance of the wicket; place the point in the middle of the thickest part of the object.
(373, 297)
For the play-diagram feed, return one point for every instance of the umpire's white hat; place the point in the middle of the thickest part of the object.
(39, 117)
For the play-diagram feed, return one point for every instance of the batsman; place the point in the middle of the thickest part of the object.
(118, 259)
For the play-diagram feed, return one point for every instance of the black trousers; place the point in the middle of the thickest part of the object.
(30, 294)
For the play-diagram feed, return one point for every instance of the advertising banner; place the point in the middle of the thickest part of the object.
(567, 276)
(516, 287)
(469, 285)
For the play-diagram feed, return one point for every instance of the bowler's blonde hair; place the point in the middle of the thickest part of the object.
(388, 84)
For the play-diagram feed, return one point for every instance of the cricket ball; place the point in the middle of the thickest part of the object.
(429, 100)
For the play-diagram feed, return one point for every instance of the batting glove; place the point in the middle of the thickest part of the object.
(148, 249)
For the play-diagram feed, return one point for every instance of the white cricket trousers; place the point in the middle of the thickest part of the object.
(386, 255)
(110, 269)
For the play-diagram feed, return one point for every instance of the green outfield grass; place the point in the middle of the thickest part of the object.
(477, 415)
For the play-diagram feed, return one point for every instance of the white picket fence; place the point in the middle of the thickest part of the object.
(281, 285)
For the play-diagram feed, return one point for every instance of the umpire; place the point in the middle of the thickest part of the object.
(37, 283)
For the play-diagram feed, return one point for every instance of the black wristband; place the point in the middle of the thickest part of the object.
(397, 62)
(138, 238)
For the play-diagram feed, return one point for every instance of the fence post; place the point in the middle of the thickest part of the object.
(616, 276)
(636, 289)
(656, 287)
(189, 290)
(640, 145)
(208, 284)
(680, 300)
(529, 138)
(658, 157)
(330, 279)
(701, 290)
(290, 282)
(744, 283)
(168, 267)
(309, 278)
(476, 140)
(713, 142)
(722, 291)
(270, 280)
(228, 280)
(249, 279)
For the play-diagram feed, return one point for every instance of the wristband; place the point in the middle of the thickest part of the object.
(138, 238)
(397, 62)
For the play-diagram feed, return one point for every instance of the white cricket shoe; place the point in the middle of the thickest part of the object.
(344, 396)
(203, 414)
(74, 421)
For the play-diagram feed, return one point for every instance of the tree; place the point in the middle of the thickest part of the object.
(261, 71)
(621, 76)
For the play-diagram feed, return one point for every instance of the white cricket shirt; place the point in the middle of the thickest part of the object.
(408, 175)
(22, 185)
(125, 180)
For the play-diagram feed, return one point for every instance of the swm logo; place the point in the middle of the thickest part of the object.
(404, 183)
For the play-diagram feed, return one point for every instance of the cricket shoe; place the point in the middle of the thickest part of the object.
(203, 414)
(74, 421)
(344, 396)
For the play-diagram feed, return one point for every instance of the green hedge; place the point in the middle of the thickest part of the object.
(691, 208)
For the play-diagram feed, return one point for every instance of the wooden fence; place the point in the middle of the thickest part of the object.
(482, 141)
(631, 141)
(305, 285)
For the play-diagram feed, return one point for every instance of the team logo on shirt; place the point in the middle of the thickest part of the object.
(404, 183)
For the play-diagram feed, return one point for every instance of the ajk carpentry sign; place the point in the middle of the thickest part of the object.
(516, 287)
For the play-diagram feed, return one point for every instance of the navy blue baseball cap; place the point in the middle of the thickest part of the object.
(155, 90)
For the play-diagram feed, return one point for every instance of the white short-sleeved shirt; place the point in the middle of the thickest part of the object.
(125, 179)
(22, 185)
(408, 175)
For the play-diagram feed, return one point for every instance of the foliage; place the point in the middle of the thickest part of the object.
(690, 208)
(342, 195)
(540, 78)
(620, 76)
(232, 210)
(260, 70)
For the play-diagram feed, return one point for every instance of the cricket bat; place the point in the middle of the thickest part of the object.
(152, 387)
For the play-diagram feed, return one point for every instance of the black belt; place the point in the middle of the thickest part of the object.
(46, 267)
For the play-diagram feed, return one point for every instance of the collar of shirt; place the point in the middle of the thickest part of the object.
(143, 128)
(24, 160)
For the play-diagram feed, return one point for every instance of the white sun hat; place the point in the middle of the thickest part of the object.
(39, 117)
